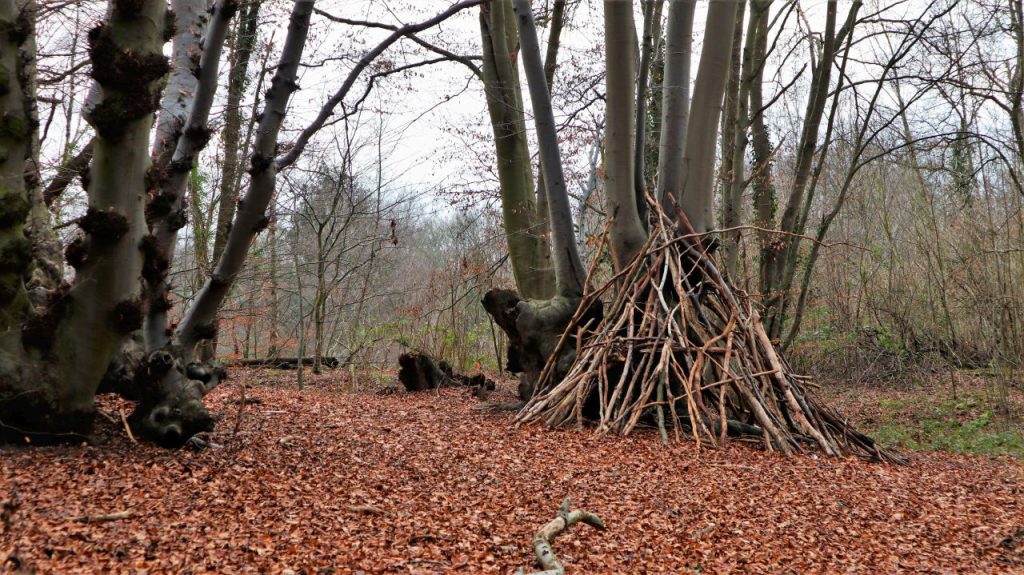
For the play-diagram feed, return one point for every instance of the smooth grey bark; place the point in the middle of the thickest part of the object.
(627, 233)
(697, 190)
(534, 326)
(529, 253)
(251, 218)
(569, 273)
(556, 22)
(167, 208)
(190, 22)
(675, 94)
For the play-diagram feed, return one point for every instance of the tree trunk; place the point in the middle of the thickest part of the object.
(627, 230)
(243, 44)
(675, 94)
(652, 14)
(529, 252)
(556, 22)
(1016, 95)
(273, 337)
(761, 171)
(780, 260)
(190, 22)
(15, 249)
(734, 143)
(535, 326)
(47, 269)
(706, 108)
(319, 303)
(569, 274)
(250, 219)
(53, 365)
(166, 210)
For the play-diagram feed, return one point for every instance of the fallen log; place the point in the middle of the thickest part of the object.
(419, 372)
(283, 362)
(544, 537)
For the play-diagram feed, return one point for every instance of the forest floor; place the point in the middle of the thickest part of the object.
(332, 481)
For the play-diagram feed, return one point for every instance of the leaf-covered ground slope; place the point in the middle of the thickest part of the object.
(328, 481)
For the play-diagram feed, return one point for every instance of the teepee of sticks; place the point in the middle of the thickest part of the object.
(681, 349)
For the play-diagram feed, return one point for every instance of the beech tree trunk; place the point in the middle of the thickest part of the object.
(52, 358)
(251, 218)
(529, 251)
(569, 274)
(243, 46)
(534, 326)
(675, 94)
(627, 230)
(166, 211)
(702, 131)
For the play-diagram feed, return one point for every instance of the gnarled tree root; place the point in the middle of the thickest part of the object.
(546, 535)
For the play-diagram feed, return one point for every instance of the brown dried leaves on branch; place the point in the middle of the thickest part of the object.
(326, 481)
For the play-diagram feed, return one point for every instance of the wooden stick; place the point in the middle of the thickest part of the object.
(103, 518)
(546, 535)
(127, 428)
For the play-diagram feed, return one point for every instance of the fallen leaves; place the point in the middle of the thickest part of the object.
(325, 481)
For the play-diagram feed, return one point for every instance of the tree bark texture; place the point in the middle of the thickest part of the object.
(706, 108)
(627, 230)
(524, 225)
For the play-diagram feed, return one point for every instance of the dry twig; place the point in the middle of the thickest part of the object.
(546, 535)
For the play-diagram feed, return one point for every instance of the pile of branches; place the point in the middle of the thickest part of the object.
(682, 349)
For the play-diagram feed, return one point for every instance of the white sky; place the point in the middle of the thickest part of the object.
(435, 131)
